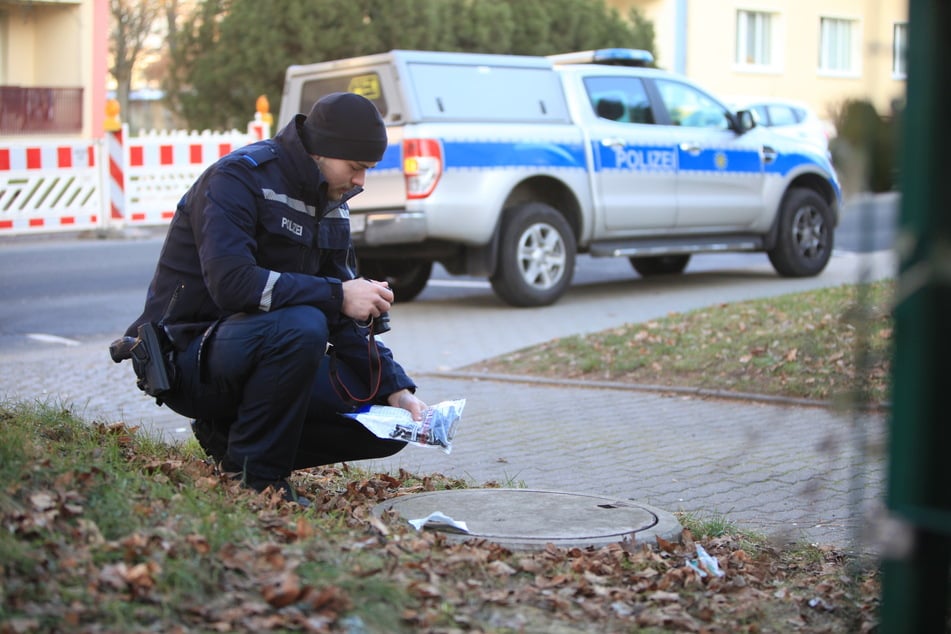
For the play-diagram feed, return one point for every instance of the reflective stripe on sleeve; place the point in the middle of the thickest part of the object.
(265, 304)
(293, 203)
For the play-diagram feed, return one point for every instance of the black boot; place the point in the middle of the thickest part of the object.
(282, 486)
(230, 470)
(213, 439)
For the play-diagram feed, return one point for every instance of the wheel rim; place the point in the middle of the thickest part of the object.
(541, 256)
(809, 232)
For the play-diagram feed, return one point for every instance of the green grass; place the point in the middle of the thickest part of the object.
(713, 525)
(832, 344)
(151, 522)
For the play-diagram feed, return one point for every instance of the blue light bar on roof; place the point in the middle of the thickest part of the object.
(607, 56)
(623, 56)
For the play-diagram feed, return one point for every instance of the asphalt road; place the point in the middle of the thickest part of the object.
(60, 289)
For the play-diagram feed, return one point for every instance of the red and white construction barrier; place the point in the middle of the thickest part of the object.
(160, 168)
(120, 181)
(117, 159)
(49, 187)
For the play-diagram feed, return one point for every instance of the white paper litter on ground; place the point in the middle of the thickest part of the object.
(440, 521)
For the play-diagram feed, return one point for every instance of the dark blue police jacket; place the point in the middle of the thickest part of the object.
(256, 233)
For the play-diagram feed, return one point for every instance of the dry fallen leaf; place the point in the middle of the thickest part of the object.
(501, 568)
(281, 589)
(43, 501)
(330, 599)
(665, 545)
(142, 575)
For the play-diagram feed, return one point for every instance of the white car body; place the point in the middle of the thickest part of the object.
(788, 117)
(508, 166)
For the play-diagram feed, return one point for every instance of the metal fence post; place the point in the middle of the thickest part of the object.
(915, 578)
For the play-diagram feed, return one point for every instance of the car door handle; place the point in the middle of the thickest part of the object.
(613, 141)
(769, 154)
(690, 148)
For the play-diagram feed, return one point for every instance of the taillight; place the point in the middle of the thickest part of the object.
(422, 166)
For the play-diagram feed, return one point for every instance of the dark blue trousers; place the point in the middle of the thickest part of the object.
(266, 378)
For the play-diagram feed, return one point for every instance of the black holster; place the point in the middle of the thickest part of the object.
(152, 357)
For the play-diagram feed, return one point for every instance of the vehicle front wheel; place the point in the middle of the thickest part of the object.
(407, 278)
(805, 239)
(536, 256)
(649, 266)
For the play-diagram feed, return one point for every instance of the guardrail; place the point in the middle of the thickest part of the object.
(111, 183)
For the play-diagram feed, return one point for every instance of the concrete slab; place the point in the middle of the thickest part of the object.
(526, 519)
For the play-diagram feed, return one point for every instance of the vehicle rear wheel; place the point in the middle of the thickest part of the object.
(536, 256)
(407, 278)
(649, 266)
(805, 239)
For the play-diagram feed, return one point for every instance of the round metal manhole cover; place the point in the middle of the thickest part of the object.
(530, 519)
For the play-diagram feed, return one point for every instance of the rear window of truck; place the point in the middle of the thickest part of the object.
(455, 92)
(365, 83)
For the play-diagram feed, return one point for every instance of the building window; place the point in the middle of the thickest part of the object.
(837, 46)
(754, 38)
(899, 49)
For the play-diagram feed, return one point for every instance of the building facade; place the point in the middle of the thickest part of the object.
(53, 54)
(53, 67)
(823, 52)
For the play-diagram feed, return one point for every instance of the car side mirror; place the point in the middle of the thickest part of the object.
(744, 121)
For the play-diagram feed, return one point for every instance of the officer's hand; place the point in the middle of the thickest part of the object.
(363, 299)
(408, 401)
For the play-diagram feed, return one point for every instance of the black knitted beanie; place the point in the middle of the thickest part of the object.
(345, 125)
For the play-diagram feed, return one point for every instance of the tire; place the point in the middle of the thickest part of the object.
(407, 278)
(805, 238)
(651, 266)
(536, 256)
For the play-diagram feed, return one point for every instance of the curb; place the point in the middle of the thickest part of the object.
(643, 387)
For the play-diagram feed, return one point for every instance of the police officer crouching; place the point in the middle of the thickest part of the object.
(255, 279)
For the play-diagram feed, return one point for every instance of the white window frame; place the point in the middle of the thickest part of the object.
(763, 28)
(839, 58)
(900, 50)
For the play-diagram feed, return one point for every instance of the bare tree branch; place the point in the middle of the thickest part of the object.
(132, 23)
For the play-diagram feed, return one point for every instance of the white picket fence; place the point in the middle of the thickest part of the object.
(115, 182)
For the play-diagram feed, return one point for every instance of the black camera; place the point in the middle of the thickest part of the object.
(380, 324)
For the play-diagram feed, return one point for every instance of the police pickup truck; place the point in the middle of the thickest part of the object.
(508, 167)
